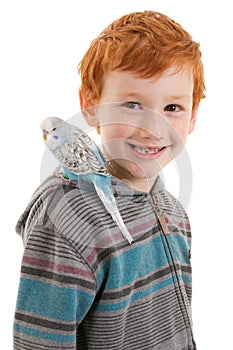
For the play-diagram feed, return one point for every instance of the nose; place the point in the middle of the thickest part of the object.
(144, 133)
(152, 126)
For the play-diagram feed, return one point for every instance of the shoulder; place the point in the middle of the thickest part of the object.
(62, 200)
(49, 198)
(74, 210)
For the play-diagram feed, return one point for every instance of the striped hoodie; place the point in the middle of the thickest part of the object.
(83, 286)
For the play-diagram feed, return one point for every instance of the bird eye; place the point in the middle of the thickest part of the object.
(54, 129)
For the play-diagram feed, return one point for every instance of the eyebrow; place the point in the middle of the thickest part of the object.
(130, 94)
(138, 96)
(179, 97)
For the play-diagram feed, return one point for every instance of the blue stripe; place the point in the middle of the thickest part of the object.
(135, 296)
(45, 335)
(187, 279)
(52, 301)
(141, 261)
(134, 264)
(180, 248)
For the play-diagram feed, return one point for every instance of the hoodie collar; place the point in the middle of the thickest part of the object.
(121, 188)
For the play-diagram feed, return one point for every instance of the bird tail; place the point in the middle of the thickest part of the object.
(111, 207)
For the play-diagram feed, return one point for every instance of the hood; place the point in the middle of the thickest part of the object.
(35, 203)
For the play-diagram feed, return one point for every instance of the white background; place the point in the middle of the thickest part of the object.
(42, 42)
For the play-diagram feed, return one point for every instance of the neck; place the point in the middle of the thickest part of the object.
(142, 184)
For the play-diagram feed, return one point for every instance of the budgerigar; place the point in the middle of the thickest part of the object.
(79, 156)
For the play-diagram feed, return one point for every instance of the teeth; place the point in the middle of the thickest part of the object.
(146, 150)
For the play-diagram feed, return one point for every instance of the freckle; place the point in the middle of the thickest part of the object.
(119, 128)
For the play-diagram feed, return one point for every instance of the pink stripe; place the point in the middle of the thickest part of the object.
(57, 267)
(143, 226)
(92, 256)
(113, 240)
(179, 224)
(185, 226)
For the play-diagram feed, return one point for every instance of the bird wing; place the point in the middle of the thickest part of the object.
(81, 155)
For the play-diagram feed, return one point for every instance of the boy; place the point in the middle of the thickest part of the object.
(82, 285)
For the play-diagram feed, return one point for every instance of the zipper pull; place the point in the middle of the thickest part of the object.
(160, 217)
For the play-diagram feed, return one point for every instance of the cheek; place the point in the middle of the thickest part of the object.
(114, 131)
(180, 130)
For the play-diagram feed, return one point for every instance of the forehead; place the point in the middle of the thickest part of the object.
(170, 82)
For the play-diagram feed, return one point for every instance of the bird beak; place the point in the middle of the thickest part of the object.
(45, 134)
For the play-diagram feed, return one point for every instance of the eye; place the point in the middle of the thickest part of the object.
(172, 108)
(132, 105)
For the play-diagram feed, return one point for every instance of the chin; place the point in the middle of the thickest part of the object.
(143, 173)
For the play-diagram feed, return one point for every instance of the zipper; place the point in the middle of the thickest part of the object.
(165, 231)
(160, 217)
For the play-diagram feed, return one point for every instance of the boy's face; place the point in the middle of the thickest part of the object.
(144, 123)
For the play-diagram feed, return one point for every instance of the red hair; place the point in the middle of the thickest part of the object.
(145, 44)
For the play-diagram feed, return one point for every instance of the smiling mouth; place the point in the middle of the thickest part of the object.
(146, 150)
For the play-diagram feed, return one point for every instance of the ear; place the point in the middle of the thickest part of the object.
(87, 105)
(192, 121)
